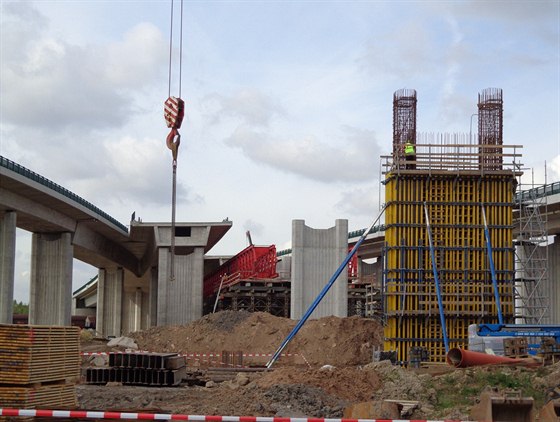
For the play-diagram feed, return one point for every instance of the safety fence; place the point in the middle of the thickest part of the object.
(88, 414)
(207, 357)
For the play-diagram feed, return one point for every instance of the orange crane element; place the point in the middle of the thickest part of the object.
(174, 111)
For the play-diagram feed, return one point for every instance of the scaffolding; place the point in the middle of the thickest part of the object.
(531, 287)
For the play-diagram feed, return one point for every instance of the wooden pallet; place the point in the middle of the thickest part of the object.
(34, 354)
(46, 396)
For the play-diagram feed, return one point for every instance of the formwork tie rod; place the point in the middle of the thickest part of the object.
(322, 293)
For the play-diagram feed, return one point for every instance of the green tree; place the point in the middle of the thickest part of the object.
(21, 308)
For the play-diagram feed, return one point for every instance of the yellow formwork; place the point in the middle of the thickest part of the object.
(454, 206)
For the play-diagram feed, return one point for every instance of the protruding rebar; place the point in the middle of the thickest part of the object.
(404, 119)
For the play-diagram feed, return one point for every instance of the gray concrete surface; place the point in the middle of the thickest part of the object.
(316, 255)
(7, 265)
(51, 279)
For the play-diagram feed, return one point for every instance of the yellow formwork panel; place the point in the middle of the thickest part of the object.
(455, 210)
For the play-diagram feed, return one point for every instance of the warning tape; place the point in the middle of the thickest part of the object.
(88, 414)
(193, 355)
(203, 357)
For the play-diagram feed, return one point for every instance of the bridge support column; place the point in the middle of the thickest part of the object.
(51, 279)
(316, 255)
(180, 300)
(109, 301)
(554, 279)
(7, 265)
(153, 297)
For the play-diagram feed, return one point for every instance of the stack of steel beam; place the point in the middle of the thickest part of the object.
(140, 368)
(39, 365)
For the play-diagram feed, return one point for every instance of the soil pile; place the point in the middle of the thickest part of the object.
(337, 373)
(325, 341)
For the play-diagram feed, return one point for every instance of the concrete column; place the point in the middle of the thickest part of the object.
(554, 280)
(316, 255)
(180, 300)
(153, 297)
(109, 301)
(7, 265)
(51, 279)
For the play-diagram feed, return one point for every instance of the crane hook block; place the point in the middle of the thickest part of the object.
(174, 111)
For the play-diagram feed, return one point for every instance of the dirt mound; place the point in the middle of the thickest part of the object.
(353, 384)
(330, 340)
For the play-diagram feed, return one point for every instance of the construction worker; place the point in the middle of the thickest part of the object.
(409, 154)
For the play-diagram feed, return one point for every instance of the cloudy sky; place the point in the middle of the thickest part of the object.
(288, 103)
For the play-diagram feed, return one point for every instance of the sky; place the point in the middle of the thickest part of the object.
(288, 103)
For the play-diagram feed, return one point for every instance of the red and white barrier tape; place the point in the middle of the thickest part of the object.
(191, 355)
(88, 414)
(203, 356)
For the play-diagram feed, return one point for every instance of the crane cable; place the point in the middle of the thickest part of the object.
(174, 111)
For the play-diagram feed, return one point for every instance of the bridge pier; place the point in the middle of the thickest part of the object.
(554, 279)
(7, 265)
(179, 301)
(316, 255)
(50, 301)
(109, 301)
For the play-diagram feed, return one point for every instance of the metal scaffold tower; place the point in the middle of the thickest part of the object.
(449, 258)
(531, 287)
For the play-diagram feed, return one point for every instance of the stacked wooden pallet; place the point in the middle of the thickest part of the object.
(39, 366)
(516, 347)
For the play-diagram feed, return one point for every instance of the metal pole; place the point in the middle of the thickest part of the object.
(492, 268)
(218, 293)
(470, 130)
(322, 293)
(436, 279)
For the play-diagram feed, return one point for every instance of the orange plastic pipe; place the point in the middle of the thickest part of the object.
(461, 358)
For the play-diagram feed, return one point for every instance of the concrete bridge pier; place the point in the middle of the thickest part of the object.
(316, 255)
(179, 300)
(110, 285)
(7, 265)
(50, 301)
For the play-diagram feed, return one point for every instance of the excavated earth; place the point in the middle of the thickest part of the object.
(326, 368)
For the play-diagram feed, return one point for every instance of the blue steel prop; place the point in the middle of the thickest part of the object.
(492, 268)
(436, 279)
(322, 293)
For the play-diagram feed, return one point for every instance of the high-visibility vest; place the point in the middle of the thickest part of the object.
(408, 149)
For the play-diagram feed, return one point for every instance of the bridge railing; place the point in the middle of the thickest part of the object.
(31, 175)
(538, 192)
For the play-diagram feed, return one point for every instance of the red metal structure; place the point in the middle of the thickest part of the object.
(253, 262)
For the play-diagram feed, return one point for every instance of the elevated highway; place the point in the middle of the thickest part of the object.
(65, 226)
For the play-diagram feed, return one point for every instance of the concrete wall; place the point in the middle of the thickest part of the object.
(179, 300)
(554, 280)
(50, 301)
(316, 255)
(7, 265)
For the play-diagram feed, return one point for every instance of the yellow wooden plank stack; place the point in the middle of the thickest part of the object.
(39, 366)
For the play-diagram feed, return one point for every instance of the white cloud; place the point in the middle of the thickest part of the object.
(360, 201)
(310, 157)
(53, 85)
(249, 105)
